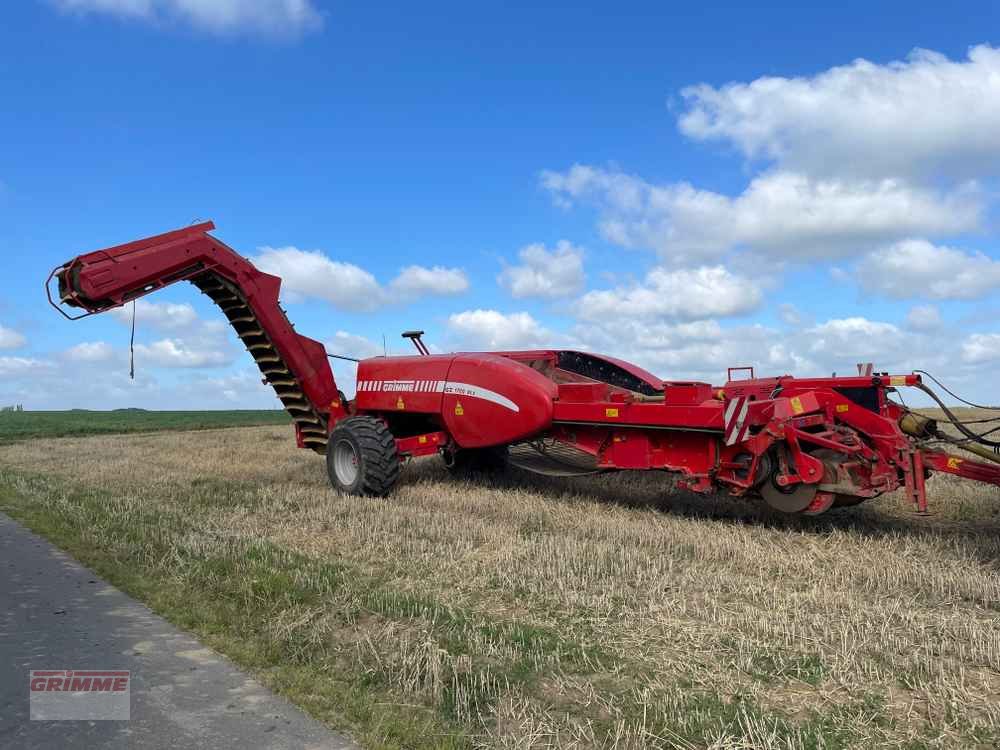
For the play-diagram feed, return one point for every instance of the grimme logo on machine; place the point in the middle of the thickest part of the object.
(399, 385)
(79, 694)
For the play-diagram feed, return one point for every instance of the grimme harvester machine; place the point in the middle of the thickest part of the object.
(802, 444)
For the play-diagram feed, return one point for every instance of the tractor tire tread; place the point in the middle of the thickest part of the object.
(379, 458)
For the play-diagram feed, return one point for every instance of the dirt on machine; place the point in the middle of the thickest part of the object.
(803, 445)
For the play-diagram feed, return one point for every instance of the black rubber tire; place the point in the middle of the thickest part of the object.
(375, 448)
(479, 461)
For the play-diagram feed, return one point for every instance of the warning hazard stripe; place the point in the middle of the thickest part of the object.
(401, 386)
(735, 420)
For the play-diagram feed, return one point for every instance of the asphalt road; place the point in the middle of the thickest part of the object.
(56, 614)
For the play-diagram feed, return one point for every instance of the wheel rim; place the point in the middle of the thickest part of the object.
(792, 499)
(345, 462)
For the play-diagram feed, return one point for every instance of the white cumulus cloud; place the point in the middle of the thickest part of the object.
(23, 366)
(268, 17)
(981, 347)
(418, 281)
(790, 315)
(10, 339)
(853, 338)
(918, 268)
(696, 350)
(926, 115)
(90, 351)
(924, 318)
(351, 345)
(163, 316)
(781, 214)
(545, 273)
(181, 353)
(239, 390)
(480, 330)
(706, 292)
(311, 273)
(189, 342)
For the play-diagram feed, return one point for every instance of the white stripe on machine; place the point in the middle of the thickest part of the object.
(437, 386)
(467, 390)
(735, 419)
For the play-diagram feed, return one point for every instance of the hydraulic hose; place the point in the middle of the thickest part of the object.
(974, 437)
(955, 396)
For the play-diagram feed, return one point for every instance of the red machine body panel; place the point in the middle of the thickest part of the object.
(702, 417)
(411, 384)
(493, 400)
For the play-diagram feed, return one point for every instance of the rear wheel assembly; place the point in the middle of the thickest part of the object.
(833, 481)
(793, 498)
(809, 499)
(361, 457)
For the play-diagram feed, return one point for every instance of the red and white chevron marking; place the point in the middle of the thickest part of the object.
(735, 419)
(402, 386)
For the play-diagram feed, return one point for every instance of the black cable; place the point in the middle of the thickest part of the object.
(944, 388)
(963, 441)
(981, 421)
(341, 356)
(988, 432)
(131, 347)
(901, 399)
(955, 420)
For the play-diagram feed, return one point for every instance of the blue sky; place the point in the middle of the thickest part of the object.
(786, 186)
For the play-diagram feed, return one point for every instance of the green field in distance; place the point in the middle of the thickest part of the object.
(24, 425)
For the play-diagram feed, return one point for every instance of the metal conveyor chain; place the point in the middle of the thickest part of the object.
(243, 320)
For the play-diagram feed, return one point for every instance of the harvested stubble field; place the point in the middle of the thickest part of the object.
(606, 612)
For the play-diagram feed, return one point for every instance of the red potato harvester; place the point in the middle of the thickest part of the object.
(802, 444)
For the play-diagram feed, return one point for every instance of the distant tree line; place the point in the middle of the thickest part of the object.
(15, 407)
